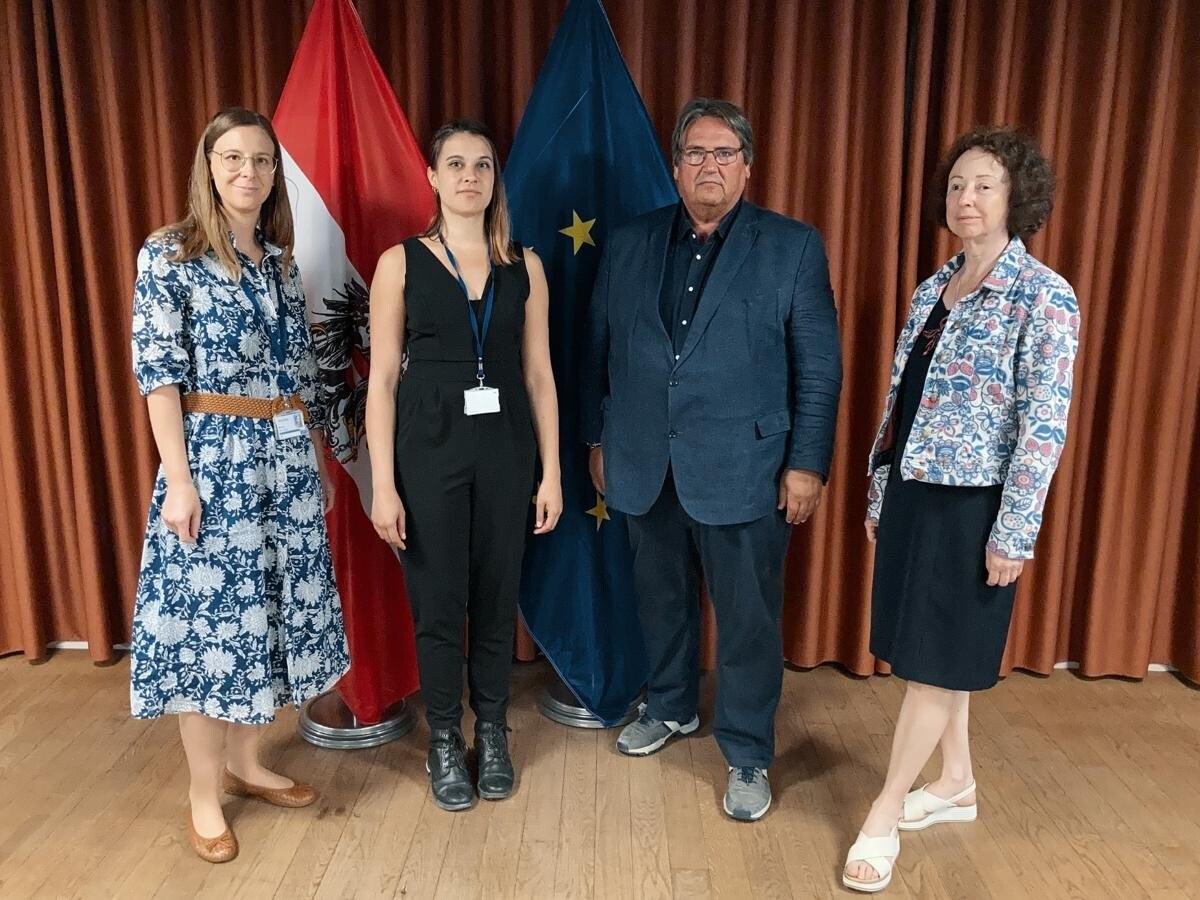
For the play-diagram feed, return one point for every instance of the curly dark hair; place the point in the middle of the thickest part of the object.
(1031, 181)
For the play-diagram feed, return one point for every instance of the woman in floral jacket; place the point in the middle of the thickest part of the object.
(973, 428)
(237, 611)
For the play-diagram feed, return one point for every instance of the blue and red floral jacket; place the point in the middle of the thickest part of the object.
(994, 407)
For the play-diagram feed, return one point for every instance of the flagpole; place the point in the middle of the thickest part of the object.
(328, 722)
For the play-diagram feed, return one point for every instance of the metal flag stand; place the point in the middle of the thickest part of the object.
(558, 703)
(327, 722)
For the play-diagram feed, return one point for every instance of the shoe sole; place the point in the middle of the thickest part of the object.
(453, 807)
(683, 731)
(871, 887)
(497, 795)
(752, 818)
(867, 887)
(956, 814)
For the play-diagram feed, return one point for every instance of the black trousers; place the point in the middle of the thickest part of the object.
(743, 567)
(466, 484)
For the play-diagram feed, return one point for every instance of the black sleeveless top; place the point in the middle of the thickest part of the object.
(438, 337)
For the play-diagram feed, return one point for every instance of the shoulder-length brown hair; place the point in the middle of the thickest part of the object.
(497, 226)
(205, 227)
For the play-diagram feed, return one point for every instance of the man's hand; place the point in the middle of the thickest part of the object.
(800, 494)
(596, 468)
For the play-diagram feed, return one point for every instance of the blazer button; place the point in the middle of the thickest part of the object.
(673, 383)
(672, 434)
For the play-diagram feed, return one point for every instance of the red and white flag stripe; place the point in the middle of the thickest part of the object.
(357, 184)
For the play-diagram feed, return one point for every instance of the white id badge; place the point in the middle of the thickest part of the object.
(478, 401)
(288, 424)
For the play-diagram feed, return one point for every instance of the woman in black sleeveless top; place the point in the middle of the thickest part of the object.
(454, 444)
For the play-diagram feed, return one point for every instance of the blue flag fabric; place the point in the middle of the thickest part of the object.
(584, 161)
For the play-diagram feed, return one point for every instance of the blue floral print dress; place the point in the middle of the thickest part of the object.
(248, 618)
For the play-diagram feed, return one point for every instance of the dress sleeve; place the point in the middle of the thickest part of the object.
(160, 342)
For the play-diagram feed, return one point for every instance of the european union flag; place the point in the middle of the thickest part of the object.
(584, 161)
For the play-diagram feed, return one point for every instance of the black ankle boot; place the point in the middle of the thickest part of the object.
(447, 768)
(496, 776)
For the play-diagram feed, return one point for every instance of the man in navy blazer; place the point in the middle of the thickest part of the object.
(712, 370)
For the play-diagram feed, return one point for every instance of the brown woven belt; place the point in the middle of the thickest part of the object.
(233, 405)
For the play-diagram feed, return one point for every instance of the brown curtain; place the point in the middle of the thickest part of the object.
(852, 102)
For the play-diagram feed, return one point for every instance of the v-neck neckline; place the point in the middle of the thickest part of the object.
(453, 277)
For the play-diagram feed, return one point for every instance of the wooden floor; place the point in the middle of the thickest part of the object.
(1088, 789)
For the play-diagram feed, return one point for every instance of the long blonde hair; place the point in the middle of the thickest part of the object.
(205, 227)
(497, 226)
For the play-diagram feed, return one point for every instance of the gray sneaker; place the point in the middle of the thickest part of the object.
(748, 796)
(645, 735)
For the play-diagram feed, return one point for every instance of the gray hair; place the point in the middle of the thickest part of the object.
(729, 113)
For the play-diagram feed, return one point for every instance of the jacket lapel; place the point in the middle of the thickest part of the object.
(656, 266)
(737, 247)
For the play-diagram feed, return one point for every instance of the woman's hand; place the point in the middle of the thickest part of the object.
(1002, 571)
(327, 490)
(387, 515)
(181, 510)
(549, 505)
(872, 526)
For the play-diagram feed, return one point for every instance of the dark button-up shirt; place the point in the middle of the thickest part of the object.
(689, 262)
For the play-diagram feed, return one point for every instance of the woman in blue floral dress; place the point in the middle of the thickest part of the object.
(237, 611)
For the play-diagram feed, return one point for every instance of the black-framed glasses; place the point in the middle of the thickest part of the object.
(233, 160)
(695, 156)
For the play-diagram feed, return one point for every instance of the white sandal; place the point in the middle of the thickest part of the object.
(880, 853)
(922, 809)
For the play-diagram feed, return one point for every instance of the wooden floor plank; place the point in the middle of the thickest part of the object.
(543, 780)
(502, 845)
(613, 853)
(575, 871)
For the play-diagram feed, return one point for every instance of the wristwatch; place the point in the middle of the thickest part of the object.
(593, 445)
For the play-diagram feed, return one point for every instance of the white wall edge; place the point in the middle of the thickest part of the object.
(1152, 667)
(79, 645)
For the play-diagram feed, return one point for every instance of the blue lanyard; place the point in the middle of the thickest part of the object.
(480, 334)
(278, 334)
(279, 337)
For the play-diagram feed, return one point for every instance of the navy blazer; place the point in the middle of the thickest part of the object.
(756, 385)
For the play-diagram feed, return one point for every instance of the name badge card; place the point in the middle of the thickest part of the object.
(289, 424)
(478, 401)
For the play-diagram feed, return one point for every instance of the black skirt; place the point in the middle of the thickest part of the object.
(933, 616)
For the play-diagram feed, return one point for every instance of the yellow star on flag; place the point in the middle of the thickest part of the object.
(600, 511)
(579, 231)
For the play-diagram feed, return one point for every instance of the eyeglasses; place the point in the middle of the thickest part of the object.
(695, 156)
(233, 160)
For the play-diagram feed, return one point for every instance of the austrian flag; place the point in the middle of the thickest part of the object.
(357, 184)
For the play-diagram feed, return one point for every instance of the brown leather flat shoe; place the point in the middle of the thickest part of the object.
(299, 794)
(220, 849)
